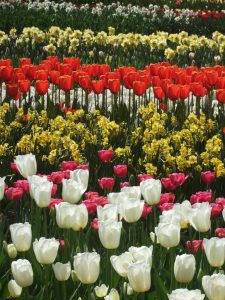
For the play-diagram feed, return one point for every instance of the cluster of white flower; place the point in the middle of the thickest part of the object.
(113, 9)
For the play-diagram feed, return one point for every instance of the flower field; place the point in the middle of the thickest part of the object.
(112, 150)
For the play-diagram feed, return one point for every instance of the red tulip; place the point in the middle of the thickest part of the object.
(6, 73)
(143, 177)
(158, 92)
(114, 85)
(54, 77)
(65, 83)
(164, 72)
(22, 184)
(139, 87)
(120, 170)
(85, 82)
(41, 87)
(41, 75)
(32, 72)
(221, 201)
(106, 183)
(220, 232)
(65, 69)
(24, 85)
(178, 178)
(124, 184)
(14, 194)
(220, 96)
(220, 84)
(69, 165)
(146, 210)
(184, 91)
(105, 155)
(194, 245)
(168, 184)
(208, 177)
(166, 198)
(25, 61)
(13, 91)
(201, 197)
(216, 209)
(156, 81)
(173, 92)
(97, 86)
(197, 89)
(211, 77)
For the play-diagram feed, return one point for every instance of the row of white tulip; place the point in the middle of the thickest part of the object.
(134, 265)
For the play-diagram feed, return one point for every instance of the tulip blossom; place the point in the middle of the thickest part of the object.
(42, 194)
(101, 291)
(69, 165)
(200, 216)
(35, 181)
(132, 192)
(142, 254)
(151, 191)
(14, 289)
(214, 286)
(201, 197)
(131, 210)
(26, 164)
(168, 234)
(106, 183)
(45, 250)
(87, 267)
(105, 155)
(109, 232)
(2, 187)
(22, 272)
(121, 263)
(181, 294)
(113, 295)
(194, 245)
(21, 236)
(72, 191)
(81, 177)
(215, 251)
(108, 212)
(62, 271)
(14, 194)
(184, 268)
(139, 276)
(208, 177)
(120, 170)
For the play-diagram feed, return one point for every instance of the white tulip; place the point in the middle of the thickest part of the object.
(87, 267)
(71, 216)
(170, 217)
(139, 276)
(42, 194)
(81, 177)
(200, 216)
(181, 294)
(109, 232)
(214, 286)
(14, 289)
(223, 213)
(116, 198)
(168, 234)
(71, 191)
(101, 291)
(2, 187)
(35, 181)
(121, 263)
(142, 254)
(184, 268)
(81, 217)
(132, 192)
(62, 271)
(21, 236)
(215, 251)
(46, 250)
(151, 190)
(131, 210)
(26, 164)
(107, 212)
(113, 295)
(183, 210)
(22, 272)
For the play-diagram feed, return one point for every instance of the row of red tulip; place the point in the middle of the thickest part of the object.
(167, 81)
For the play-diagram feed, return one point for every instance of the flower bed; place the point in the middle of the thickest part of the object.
(125, 18)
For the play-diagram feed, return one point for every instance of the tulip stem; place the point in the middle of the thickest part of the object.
(64, 290)
(172, 259)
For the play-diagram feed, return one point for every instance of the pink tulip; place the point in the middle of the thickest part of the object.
(208, 177)
(220, 232)
(105, 155)
(120, 170)
(124, 184)
(69, 165)
(14, 194)
(143, 177)
(146, 210)
(201, 197)
(216, 209)
(166, 198)
(106, 183)
(166, 206)
(168, 185)
(178, 179)
(23, 184)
